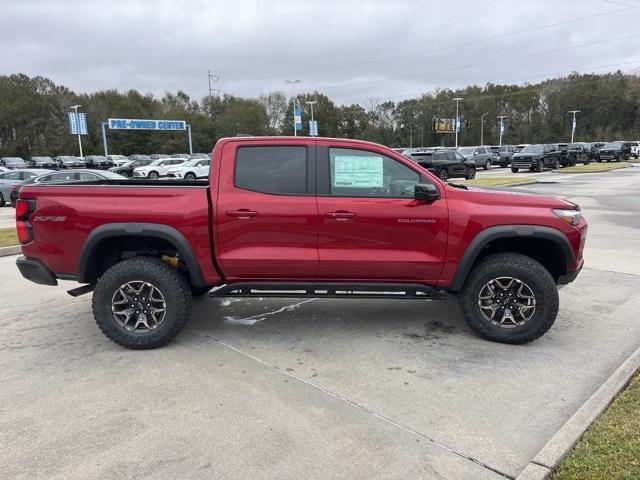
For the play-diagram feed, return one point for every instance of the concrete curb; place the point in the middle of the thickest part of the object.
(601, 171)
(13, 250)
(550, 456)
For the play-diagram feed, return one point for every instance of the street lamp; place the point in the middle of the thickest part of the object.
(293, 88)
(457, 100)
(77, 120)
(312, 103)
(573, 125)
(482, 128)
(501, 117)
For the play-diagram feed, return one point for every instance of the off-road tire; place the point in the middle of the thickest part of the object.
(169, 281)
(528, 271)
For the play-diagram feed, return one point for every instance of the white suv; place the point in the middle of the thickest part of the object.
(158, 168)
(191, 170)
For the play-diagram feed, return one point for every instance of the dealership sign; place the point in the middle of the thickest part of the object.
(138, 124)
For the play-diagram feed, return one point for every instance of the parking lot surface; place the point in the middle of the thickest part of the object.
(7, 217)
(316, 388)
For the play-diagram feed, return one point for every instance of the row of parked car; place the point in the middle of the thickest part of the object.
(463, 162)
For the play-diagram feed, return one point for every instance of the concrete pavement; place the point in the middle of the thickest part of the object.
(316, 388)
(7, 217)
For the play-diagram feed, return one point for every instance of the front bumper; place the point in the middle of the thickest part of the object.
(35, 270)
(570, 276)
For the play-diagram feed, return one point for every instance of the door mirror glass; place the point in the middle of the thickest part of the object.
(426, 191)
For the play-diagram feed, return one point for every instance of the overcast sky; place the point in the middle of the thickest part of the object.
(351, 50)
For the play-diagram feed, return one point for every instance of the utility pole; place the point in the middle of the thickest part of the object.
(482, 128)
(293, 88)
(312, 103)
(573, 125)
(77, 120)
(457, 100)
(501, 117)
(213, 78)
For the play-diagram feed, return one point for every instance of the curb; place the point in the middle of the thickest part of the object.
(13, 250)
(601, 171)
(550, 456)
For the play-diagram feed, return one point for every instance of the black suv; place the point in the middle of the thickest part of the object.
(126, 169)
(443, 163)
(505, 152)
(579, 153)
(615, 152)
(535, 158)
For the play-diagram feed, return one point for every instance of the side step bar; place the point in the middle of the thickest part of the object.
(412, 291)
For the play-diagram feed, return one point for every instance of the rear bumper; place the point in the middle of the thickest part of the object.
(35, 270)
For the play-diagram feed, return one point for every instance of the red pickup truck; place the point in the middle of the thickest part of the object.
(294, 216)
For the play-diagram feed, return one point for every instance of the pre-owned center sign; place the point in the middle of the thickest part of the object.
(139, 124)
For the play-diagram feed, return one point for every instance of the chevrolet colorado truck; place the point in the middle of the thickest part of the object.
(301, 217)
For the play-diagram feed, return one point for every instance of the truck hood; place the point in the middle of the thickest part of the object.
(505, 198)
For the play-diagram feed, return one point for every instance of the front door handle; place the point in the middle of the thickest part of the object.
(241, 214)
(341, 215)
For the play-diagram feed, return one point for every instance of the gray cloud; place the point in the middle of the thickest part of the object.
(351, 50)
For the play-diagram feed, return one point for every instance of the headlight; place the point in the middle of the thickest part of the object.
(570, 216)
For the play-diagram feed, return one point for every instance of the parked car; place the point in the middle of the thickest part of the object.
(535, 157)
(504, 152)
(118, 159)
(3, 169)
(579, 153)
(98, 162)
(66, 176)
(443, 163)
(156, 156)
(200, 155)
(68, 161)
(635, 149)
(565, 160)
(191, 169)
(180, 155)
(127, 168)
(14, 163)
(481, 156)
(9, 179)
(366, 223)
(594, 150)
(43, 162)
(614, 152)
(138, 156)
(157, 168)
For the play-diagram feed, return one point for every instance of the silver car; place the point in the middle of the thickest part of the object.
(16, 177)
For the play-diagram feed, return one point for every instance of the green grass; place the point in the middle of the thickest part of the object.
(497, 181)
(8, 237)
(593, 167)
(610, 449)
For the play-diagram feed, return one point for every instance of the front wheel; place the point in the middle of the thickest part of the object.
(190, 176)
(141, 303)
(539, 167)
(515, 169)
(471, 173)
(153, 175)
(443, 174)
(487, 165)
(509, 298)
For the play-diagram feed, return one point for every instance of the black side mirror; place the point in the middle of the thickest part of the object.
(426, 191)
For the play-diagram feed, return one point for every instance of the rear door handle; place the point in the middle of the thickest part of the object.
(341, 215)
(241, 214)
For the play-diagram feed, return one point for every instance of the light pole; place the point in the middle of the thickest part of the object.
(501, 117)
(457, 100)
(312, 103)
(482, 128)
(293, 88)
(77, 120)
(573, 125)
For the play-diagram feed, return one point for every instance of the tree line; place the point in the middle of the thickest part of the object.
(33, 115)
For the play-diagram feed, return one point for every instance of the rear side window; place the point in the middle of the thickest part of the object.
(440, 156)
(276, 170)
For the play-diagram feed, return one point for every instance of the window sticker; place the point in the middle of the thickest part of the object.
(358, 172)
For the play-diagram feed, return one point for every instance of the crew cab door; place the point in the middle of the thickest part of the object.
(371, 228)
(265, 213)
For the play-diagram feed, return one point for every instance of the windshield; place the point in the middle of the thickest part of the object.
(14, 161)
(112, 175)
(98, 158)
(41, 159)
(69, 159)
(613, 146)
(191, 163)
(532, 149)
(466, 150)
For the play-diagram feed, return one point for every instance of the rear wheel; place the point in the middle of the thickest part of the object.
(471, 173)
(190, 176)
(443, 174)
(3, 202)
(509, 298)
(141, 303)
(487, 165)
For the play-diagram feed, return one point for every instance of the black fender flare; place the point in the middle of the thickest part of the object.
(490, 234)
(150, 230)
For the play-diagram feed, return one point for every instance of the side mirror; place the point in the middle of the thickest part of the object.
(426, 191)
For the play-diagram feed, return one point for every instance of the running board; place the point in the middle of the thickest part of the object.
(76, 292)
(409, 291)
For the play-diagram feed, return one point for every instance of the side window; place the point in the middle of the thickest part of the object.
(480, 150)
(361, 173)
(45, 179)
(204, 163)
(276, 170)
(85, 176)
(440, 156)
